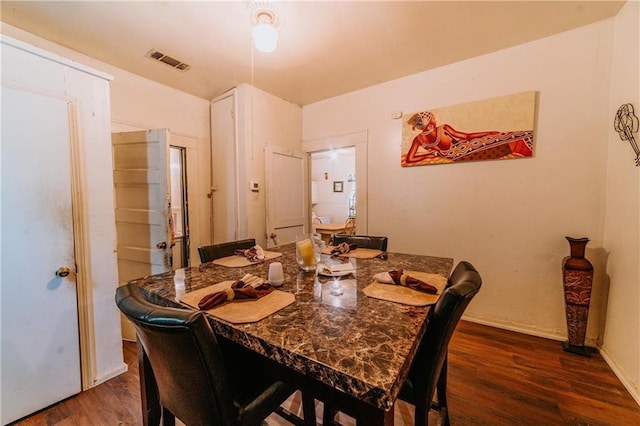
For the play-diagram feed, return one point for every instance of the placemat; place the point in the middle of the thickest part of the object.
(240, 311)
(406, 295)
(359, 253)
(241, 261)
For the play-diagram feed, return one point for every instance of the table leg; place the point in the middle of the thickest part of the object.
(364, 417)
(376, 417)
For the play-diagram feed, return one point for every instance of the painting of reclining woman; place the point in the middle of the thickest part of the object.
(492, 129)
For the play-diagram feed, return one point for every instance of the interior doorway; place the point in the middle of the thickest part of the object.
(179, 203)
(355, 143)
(333, 185)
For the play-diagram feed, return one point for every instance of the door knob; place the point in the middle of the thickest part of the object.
(63, 271)
(162, 245)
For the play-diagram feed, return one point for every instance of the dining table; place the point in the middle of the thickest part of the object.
(328, 230)
(333, 341)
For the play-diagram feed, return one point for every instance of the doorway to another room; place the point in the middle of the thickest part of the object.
(333, 189)
(180, 220)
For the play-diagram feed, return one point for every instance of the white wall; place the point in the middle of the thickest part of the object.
(621, 345)
(507, 217)
(264, 119)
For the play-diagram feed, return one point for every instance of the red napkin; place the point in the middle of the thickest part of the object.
(254, 254)
(398, 277)
(343, 248)
(240, 289)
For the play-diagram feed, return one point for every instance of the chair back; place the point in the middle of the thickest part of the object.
(463, 270)
(350, 226)
(216, 251)
(443, 319)
(362, 241)
(185, 358)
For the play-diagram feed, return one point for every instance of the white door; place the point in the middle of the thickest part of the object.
(40, 340)
(224, 171)
(143, 205)
(287, 196)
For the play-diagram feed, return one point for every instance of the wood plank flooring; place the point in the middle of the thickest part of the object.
(496, 377)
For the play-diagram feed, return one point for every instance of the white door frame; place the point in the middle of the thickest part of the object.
(358, 140)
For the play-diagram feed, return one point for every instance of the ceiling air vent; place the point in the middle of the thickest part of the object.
(166, 59)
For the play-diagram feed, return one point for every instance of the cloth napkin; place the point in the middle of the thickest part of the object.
(340, 269)
(398, 277)
(343, 248)
(254, 254)
(248, 287)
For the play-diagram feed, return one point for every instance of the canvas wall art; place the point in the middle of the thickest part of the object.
(490, 129)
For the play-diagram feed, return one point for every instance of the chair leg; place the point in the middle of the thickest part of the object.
(328, 414)
(168, 419)
(441, 391)
(421, 414)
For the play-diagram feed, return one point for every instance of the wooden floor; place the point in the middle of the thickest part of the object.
(496, 377)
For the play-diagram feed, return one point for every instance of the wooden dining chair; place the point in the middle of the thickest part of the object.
(362, 241)
(429, 369)
(196, 381)
(350, 226)
(216, 251)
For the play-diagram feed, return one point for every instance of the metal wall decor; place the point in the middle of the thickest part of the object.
(626, 124)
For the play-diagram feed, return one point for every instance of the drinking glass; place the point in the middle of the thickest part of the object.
(308, 251)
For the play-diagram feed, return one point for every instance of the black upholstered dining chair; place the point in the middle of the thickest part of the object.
(429, 369)
(362, 241)
(195, 383)
(216, 251)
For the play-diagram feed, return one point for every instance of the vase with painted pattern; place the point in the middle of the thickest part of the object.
(577, 278)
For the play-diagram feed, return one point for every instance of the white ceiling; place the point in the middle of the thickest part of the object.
(325, 48)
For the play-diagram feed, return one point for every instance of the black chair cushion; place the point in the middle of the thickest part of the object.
(217, 251)
(362, 241)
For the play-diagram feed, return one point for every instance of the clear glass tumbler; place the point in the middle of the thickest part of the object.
(308, 252)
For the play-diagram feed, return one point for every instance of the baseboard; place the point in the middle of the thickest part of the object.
(123, 368)
(592, 343)
(518, 328)
(634, 391)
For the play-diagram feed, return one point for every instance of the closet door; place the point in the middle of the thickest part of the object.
(40, 337)
(225, 179)
(287, 186)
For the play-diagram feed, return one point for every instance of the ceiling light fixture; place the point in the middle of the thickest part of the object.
(264, 33)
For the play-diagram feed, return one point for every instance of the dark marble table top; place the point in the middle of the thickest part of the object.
(333, 332)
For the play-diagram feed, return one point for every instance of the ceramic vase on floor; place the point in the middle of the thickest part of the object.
(577, 278)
